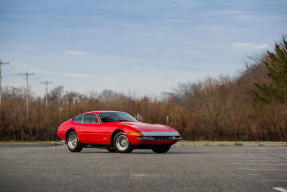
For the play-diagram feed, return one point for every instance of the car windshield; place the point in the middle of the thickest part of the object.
(115, 116)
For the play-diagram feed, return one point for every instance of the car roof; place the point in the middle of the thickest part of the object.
(101, 111)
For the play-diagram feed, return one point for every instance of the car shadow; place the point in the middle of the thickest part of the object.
(144, 152)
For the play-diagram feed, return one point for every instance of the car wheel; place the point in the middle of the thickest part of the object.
(74, 144)
(111, 150)
(122, 144)
(161, 148)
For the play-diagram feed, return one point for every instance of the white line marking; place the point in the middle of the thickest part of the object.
(240, 157)
(258, 160)
(138, 175)
(258, 164)
(245, 156)
(248, 157)
(279, 189)
(275, 180)
(253, 159)
(258, 169)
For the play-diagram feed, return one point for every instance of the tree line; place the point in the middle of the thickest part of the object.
(250, 106)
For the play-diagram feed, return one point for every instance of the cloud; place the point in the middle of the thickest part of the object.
(192, 52)
(75, 52)
(80, 75)
(243, 15)
(184, 3)
(175, 21)
(258, 17)
(214, 28)
(224, 12)
(250, 45)
(69, 74)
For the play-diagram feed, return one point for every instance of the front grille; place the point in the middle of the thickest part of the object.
(159, 138)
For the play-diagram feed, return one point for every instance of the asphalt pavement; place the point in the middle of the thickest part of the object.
(184, 168)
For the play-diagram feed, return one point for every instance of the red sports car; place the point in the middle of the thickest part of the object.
(117, 132)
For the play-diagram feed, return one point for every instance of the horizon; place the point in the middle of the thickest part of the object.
(134, 47)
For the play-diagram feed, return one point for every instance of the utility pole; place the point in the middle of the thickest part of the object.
(1, 63)
(27, 91)
(46, 83)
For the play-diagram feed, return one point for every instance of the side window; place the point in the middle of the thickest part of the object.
(78, 119)
(90, 118)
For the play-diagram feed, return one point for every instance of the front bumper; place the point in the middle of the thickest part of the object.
(155, 138)
(159, 138)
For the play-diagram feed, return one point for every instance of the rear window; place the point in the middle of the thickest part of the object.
(78, 119)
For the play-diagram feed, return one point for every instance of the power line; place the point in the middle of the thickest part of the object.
(37, 77)
(1, 63)
(46, 83)
(11, 72)
(4, 82)
(11, 66)
(27, 91)
(8, 70)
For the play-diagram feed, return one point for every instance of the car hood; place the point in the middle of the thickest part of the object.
(146, 127)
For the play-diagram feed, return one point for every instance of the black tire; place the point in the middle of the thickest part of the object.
(161, 148)
(111, 150)
(121, 143)
(74, 145)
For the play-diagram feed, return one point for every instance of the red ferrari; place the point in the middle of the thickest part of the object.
(117, 132)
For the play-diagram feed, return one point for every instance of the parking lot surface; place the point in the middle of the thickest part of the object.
(184, 168)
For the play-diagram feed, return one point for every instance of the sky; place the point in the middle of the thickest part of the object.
(135, 47)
